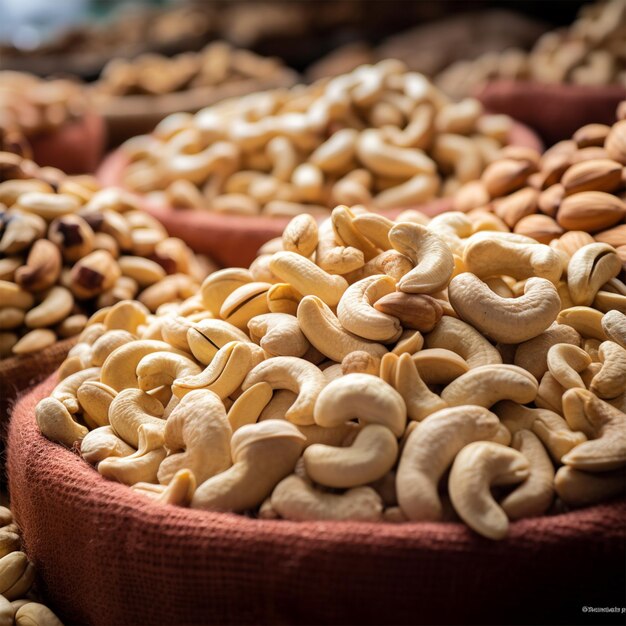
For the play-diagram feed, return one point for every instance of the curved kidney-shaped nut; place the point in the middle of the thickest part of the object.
(225, 373)
(12, 295)
(42, 269)
(278, 334)
(263, 454)
(359, 362)
(430, 449)
(535, 495)
(324, 331)
(56, 305)
(410, 342)
(614, 326)
(498, 257)
(296, 375)
(432, 258)
(107, 343)
(508, 320)
(132, 408)
(415, 311)
(140, 466)
(584, 320)
(372, 454)
(35, 613)
(163, 368)
(101, 443)
(126, 315)
(601, 421)
(207, 337)
(296, 499)
(578, 488)
(438, 366)
(476, 468)
(65, 392)
(332, 256)
(244, 303)
(345, 232)
(362, 396)
(550, 427)
(95, 399)
(357, 314)
(301, 235)
(375, 228)
(283, 298)
(589, 268)
(17, 575)
(610, 381)
(390, 262)
(550, 393)
(488, 384)
(532, 355)
(197, 435)
(458, 336)
(56, 423)
(565, 362)
(219, 285)
(248, 407)
(307, 278)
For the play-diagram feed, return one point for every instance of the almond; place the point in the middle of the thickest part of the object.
(590, 210)
(417, 311)
(571, 241)
(540, 227)
(596, 175)
(505, 176)
(552, 168)
(514, 207)
(471, 196)
(614, 236)
(521, 153)
(550, 199)
(591, 135)
(615, 143)
(587, 154)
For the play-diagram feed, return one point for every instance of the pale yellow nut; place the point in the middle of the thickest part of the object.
(34, 613)
(589, 268)
(614, 326)
(476, 468)
(283, 298)
(585, 320)
(334, 257)
(11, 317)
(307, 278)
(56, 423)
(417, 190)
(172, 288)
(163, 368)
(565, 363)
(411, 341)
(375, 228)
(300, 235)
(324, 331)
(278, 334)
(101, 443)
(244, 303)
(433, 260)
(12, 295)
(438, 366)
(578, 488)
(126, 315)
(144, 271)
(207, 337)
(248, 407)
(174, 329)
(48, 205)
(34, 341)
(132, 408)
(342, 220)
(95, 399)
(56, 305)
(17, 575)
(360, 362)
(107, 343)
(610, 381)
(337, 152)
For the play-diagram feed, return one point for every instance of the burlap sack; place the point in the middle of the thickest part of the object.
(554, 111)
(106, 555)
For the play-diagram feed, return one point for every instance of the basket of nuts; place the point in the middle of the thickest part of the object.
(408, 420)
(379, 136)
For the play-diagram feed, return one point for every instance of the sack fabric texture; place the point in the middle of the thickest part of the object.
(107, 555)
(556, 112)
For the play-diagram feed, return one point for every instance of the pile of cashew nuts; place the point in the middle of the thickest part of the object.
(18, 603)
(577, 185)
(68, 248)
(365, 369)
(379, 136)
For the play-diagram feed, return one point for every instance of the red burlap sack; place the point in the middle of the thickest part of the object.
(106, 555)
(233, 241)
(554, 111)
(76, 147)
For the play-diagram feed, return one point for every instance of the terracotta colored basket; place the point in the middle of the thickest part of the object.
(76, 147)
(106, 555)
(234, 240)
(554, 111)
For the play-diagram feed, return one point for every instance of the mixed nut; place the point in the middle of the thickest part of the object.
(379, 136)
(353, 364)
(68, 248)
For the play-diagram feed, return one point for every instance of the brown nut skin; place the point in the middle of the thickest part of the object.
(42, 268)
(94, 274)
(416, 311)
(73, 235)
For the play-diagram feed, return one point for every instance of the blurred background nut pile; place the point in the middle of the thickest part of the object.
(18, 601)
(68, 248)
(356, 362)
(576, 185)
(589, 52)
(379, 136)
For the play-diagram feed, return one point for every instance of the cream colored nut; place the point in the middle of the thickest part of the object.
(375, 228)
(140, 466)
(589, 268)
(126, 315)
(249, 406)
(225, 373)
(300, 235)
(131, 409)
(294, 498)
(390, 262)
(11, 318)
(34, 341)
(42, 269)
(614, 326)
(263, 454)
(8, 266)
(144, 271)
(12, 295)
(337, 152)
(244, 303)
(565, 363)
(56, 305)
(278, 334)
(95, 399)
(372, 454)
(597, 419)
(607, 301)
(360, 362)
(296, 375)
(419, 189)
(550, 394)
(197, 435)
(357, 314)
(174, 329)
(458, 155)
(17, 575)
(47, 205)
(208, 336)
(107, 343)
(102, 443)
(324, 331)
(432, 258)
(56, 423)
(438, 366)
(172, 288)
(283, 298)
(9, 541)
(578, 488)
(610, 381)
(488, 384)
(411, 341)
(163, 368)
(584, 320)
(532, 355)
(509, 320)
(416, 311)
(20, 231)
(333, 257)
(476, 468)
(36, 613)
(368, 398)
(429, 451)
